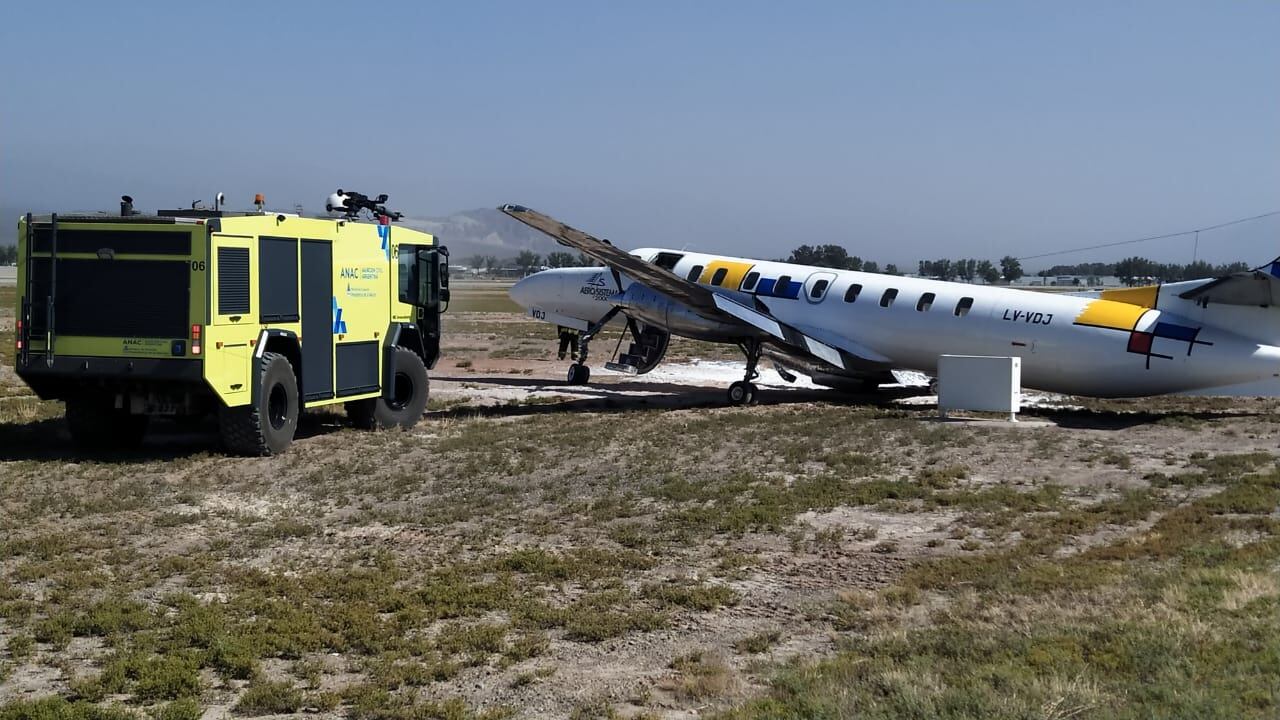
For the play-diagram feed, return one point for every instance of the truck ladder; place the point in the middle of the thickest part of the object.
(53, 289)
(24, 315)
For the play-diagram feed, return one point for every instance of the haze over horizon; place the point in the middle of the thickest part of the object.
(902, 131)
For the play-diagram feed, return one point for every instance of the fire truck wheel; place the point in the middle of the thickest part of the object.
(404, 404)
(265, 427)
(96, 424)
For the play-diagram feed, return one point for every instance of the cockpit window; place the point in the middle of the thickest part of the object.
(667, 260)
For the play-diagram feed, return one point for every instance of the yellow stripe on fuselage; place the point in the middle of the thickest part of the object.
(1144, 296)
(732, 280)
(1110, 314)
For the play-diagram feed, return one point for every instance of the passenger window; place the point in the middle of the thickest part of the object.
(926, 302)
(888, 297)
(694, 274)
(819, 289)
(852, 293)
(749, 283)
(962, 307)
(780, 287)
(718, 277)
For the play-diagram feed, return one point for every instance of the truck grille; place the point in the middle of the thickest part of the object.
(113, 298)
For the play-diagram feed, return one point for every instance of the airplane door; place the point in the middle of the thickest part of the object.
(817, 285)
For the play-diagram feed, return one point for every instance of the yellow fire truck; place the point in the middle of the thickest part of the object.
(255, 316)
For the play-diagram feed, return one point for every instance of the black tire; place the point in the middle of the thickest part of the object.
(267, 426)
(408, 396)
(740, 393)
(579, 374)
(96, 424)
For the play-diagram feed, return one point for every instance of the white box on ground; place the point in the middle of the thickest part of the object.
(979, 382)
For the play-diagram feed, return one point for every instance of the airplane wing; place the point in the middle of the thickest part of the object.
(837, 351)
(660, 279)
(1259, 287)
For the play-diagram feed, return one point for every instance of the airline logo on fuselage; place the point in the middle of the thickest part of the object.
(596, 287)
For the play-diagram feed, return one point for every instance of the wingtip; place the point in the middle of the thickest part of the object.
(509, 208)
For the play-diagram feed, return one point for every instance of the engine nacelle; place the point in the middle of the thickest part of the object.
(659, 311)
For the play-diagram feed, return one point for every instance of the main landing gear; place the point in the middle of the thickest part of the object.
(743, 392)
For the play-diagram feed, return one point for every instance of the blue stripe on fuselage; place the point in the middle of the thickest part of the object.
(768, 287)
(792, 290)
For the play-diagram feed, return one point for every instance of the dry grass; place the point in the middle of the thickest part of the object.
(536, 561)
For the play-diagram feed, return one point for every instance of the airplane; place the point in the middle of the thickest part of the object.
(844, 328)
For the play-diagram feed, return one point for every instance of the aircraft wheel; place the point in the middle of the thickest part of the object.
(579, 374)
(740, 393)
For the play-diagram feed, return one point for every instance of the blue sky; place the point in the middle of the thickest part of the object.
(901, 130)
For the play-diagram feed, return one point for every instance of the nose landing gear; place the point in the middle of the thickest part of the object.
(744, 392)
(579, 374)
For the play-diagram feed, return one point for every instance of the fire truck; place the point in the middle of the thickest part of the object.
(253, 316)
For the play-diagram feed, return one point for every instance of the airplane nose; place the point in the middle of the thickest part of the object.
(533, 290)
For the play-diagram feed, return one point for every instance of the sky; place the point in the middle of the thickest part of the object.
(902, 130)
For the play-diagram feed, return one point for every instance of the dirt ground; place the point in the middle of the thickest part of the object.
(628, 548)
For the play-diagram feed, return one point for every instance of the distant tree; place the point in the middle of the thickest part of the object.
(889, 269)
(830, 256)
(8, 254)
(528, 261)
(942, 269)
(476, 261)
(988, 272)
(561, 260)
(871, 266)
(1010, 268)
(1135, 270)
(584, 261)
(491, 262)
(966, 269)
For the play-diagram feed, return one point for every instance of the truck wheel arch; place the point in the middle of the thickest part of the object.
(282, 342)
(401, 335)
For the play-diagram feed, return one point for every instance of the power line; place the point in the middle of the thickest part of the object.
(1153, 237)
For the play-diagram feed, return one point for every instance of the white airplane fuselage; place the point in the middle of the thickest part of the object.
(1125, 343)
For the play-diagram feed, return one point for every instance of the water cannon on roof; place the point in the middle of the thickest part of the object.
(350, 203)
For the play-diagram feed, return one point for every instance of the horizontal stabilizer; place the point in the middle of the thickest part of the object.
(1259, 288)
